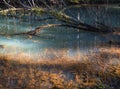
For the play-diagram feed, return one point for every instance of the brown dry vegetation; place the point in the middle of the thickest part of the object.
(96, 71)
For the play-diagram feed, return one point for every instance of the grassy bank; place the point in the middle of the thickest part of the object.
(97, 71)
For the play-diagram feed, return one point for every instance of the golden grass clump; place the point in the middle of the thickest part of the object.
(61, 72)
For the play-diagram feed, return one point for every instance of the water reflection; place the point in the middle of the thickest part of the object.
(57, 38)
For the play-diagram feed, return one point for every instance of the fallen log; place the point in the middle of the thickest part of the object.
(66, 20)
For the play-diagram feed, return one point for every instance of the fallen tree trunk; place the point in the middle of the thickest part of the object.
(78, 28)
(66, 20)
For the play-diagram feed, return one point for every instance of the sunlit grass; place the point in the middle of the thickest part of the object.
(101, 69)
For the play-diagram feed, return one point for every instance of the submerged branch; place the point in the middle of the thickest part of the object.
(65, 19)
(40, 28)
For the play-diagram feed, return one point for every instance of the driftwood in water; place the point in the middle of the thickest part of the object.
(66, 20)
(37, 30)
(85, 28)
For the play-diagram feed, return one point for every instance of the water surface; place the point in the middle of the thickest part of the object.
(58, 38)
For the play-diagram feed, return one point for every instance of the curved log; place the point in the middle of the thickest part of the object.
(65, 19)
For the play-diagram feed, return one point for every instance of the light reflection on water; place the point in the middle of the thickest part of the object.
(55, 38)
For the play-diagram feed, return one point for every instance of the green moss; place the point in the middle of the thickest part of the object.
(38, 11)
(11, 11)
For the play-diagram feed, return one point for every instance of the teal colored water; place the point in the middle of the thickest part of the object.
(57, 37)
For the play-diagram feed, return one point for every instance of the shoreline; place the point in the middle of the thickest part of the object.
(100, 69)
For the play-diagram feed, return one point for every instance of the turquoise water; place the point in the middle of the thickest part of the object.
(58, 38)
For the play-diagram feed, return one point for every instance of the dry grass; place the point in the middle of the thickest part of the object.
(61, 72)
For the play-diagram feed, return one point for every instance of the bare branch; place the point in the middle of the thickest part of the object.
(26, 6)
(10, 6)
(30, 3)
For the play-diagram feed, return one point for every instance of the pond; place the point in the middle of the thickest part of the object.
(58, 38)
